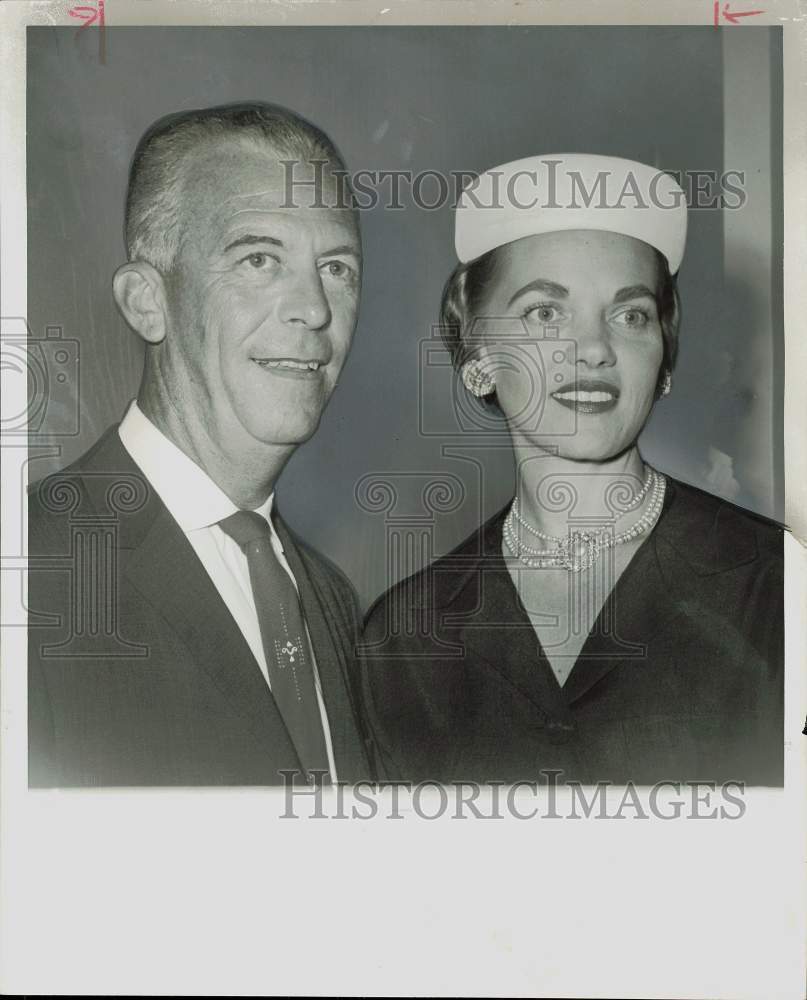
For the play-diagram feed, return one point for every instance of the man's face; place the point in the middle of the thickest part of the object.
(263, 299)
(590, 341)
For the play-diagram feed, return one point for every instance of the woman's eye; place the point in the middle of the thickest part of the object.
(543, 313)
(633, 317)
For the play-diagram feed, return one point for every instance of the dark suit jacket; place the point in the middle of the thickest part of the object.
(138, 674)
(681, 679)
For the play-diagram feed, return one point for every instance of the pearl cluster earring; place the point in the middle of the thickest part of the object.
(476, 380)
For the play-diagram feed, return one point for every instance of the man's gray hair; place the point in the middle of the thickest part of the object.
(153, 223)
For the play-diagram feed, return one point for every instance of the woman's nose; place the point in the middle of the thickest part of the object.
(593, 342)
(304, 301)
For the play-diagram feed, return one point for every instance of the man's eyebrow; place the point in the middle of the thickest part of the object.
(251, 240)
(541, 285)
(344, 248)
(633, 292)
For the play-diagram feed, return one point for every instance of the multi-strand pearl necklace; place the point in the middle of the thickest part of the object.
(580, 549)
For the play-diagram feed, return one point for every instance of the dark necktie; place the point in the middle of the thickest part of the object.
(285, 643)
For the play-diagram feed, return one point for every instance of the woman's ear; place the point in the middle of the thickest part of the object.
(139, 291)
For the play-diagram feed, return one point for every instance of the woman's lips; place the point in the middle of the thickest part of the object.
(590, 396)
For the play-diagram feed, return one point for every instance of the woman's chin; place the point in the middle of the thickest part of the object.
(577, 450)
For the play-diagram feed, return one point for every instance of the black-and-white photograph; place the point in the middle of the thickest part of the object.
(405, 409)
(552, 467)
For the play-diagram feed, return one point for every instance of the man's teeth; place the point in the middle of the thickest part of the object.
(283, 363)
(581, 396)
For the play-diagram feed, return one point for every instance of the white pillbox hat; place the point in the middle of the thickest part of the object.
(563, 191)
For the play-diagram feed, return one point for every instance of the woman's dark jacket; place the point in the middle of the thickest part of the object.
(680, 679)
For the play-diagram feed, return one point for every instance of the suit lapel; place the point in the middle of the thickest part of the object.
(160, 563)
(323, 618)
(167, 572)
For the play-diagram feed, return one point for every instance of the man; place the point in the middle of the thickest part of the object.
(192, 639)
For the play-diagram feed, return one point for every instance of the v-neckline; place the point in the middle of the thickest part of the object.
(640, 592)
(604, 610)
(599, 627)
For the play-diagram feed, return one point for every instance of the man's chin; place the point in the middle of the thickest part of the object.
(288, 434)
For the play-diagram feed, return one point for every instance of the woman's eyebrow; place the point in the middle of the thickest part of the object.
(633, 292)
(541, 285)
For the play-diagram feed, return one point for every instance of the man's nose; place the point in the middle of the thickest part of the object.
(593, 340)
(304, 301)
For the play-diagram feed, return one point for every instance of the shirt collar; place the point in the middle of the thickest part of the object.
(191, 496)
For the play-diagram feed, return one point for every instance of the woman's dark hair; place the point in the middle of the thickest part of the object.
(466, 288)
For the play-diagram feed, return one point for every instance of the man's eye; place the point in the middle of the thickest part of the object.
(543, 313)
(337, 269)
(257, 260)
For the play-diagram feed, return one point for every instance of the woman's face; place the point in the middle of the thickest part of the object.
(570, 329)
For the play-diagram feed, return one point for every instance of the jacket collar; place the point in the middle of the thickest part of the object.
(699, 528)
(163, 567)
(696, 536)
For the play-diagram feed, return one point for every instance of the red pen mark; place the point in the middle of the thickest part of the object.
(733, 17)
(89, 15)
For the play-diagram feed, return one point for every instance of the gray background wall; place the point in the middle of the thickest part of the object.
(442, 99)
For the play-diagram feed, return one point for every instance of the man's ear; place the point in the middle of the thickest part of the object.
(139, 291)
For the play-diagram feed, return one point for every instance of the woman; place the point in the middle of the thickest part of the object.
(610, 623)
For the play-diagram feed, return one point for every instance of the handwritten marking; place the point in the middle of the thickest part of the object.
(732, 16)
(89, 15)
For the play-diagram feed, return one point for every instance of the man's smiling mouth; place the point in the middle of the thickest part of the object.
(289, 364)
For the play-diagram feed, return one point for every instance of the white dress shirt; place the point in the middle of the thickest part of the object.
(197, 504)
